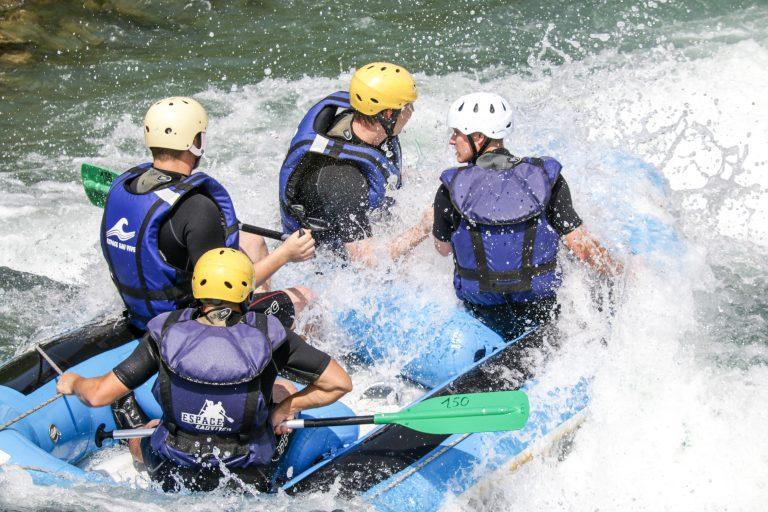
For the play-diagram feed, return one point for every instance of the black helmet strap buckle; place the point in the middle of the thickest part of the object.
(388, 123)
(477, 152)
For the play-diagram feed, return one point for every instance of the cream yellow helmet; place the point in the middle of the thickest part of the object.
(173, 123)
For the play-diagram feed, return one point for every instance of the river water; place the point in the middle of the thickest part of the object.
(677, 416)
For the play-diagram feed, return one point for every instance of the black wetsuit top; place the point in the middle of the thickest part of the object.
(336, 192)
(194, 226)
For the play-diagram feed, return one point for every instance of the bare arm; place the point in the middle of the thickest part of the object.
(332, 384)
(295, 249)
(364, 251)
(94, 391)
(255, 247)
(587, 249)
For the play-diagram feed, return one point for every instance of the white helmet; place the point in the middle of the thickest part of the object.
(483, 112)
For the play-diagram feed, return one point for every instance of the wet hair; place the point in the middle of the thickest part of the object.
(171, 154)
(366, 120)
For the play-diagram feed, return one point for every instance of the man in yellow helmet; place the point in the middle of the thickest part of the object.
(160, 217)
(344, 158)
(217, 366)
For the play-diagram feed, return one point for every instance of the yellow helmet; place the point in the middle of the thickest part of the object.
(380, 86)
(173, 123)
(223, 274)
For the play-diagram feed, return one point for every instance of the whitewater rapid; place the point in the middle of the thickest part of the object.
(677, 416)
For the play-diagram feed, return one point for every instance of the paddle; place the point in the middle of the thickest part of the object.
(450, 414)
(97, 180)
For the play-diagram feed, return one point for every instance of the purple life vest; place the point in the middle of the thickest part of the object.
(209, 388)
(504, 248)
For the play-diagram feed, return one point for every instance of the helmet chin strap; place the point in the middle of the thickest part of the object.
(476, 153)
(388, 124)
(198, 152)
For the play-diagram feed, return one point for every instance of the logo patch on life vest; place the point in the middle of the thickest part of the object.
(211, 417)
(118, 231)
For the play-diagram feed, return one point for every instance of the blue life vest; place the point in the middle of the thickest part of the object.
(209, 388)
(130, 229)
(311, 137)
(504, 248)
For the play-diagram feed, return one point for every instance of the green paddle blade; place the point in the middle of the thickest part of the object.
(458, 414)
(96, 181)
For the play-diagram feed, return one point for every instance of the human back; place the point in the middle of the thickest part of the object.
(159, 217)
(345, 158)
(502, 217)
(222, 403)
(505, 248)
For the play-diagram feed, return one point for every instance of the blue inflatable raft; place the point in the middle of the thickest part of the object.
(50, 442)
(391, 467)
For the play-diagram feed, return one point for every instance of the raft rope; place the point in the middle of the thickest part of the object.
(48, 359)
(39, 406)
(31, 411)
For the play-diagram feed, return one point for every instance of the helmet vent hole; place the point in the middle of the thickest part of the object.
(461, 107)
(185, 102)
(397, 70)
(171, 104)
(509, 124)
(370, 67)
(374, 100)
(384, 68)
(476, 109)
(244, 283)
(202, 283)
(358, 97)
(221, 252)
(228, 284)
(504, 107)
(147, 128)
(493, 110)
(168, 131)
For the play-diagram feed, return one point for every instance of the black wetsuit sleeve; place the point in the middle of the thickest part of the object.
(194, 227)
(447, 219)
(343, 193)
(297, 360)
(560, 212)
(140, 366)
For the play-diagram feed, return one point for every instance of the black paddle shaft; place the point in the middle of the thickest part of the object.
(335, 422)
(268, 233)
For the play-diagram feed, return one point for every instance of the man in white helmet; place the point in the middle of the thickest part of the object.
(160, 217)
(503, 217)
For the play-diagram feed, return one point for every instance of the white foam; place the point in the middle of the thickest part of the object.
(669, 427)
